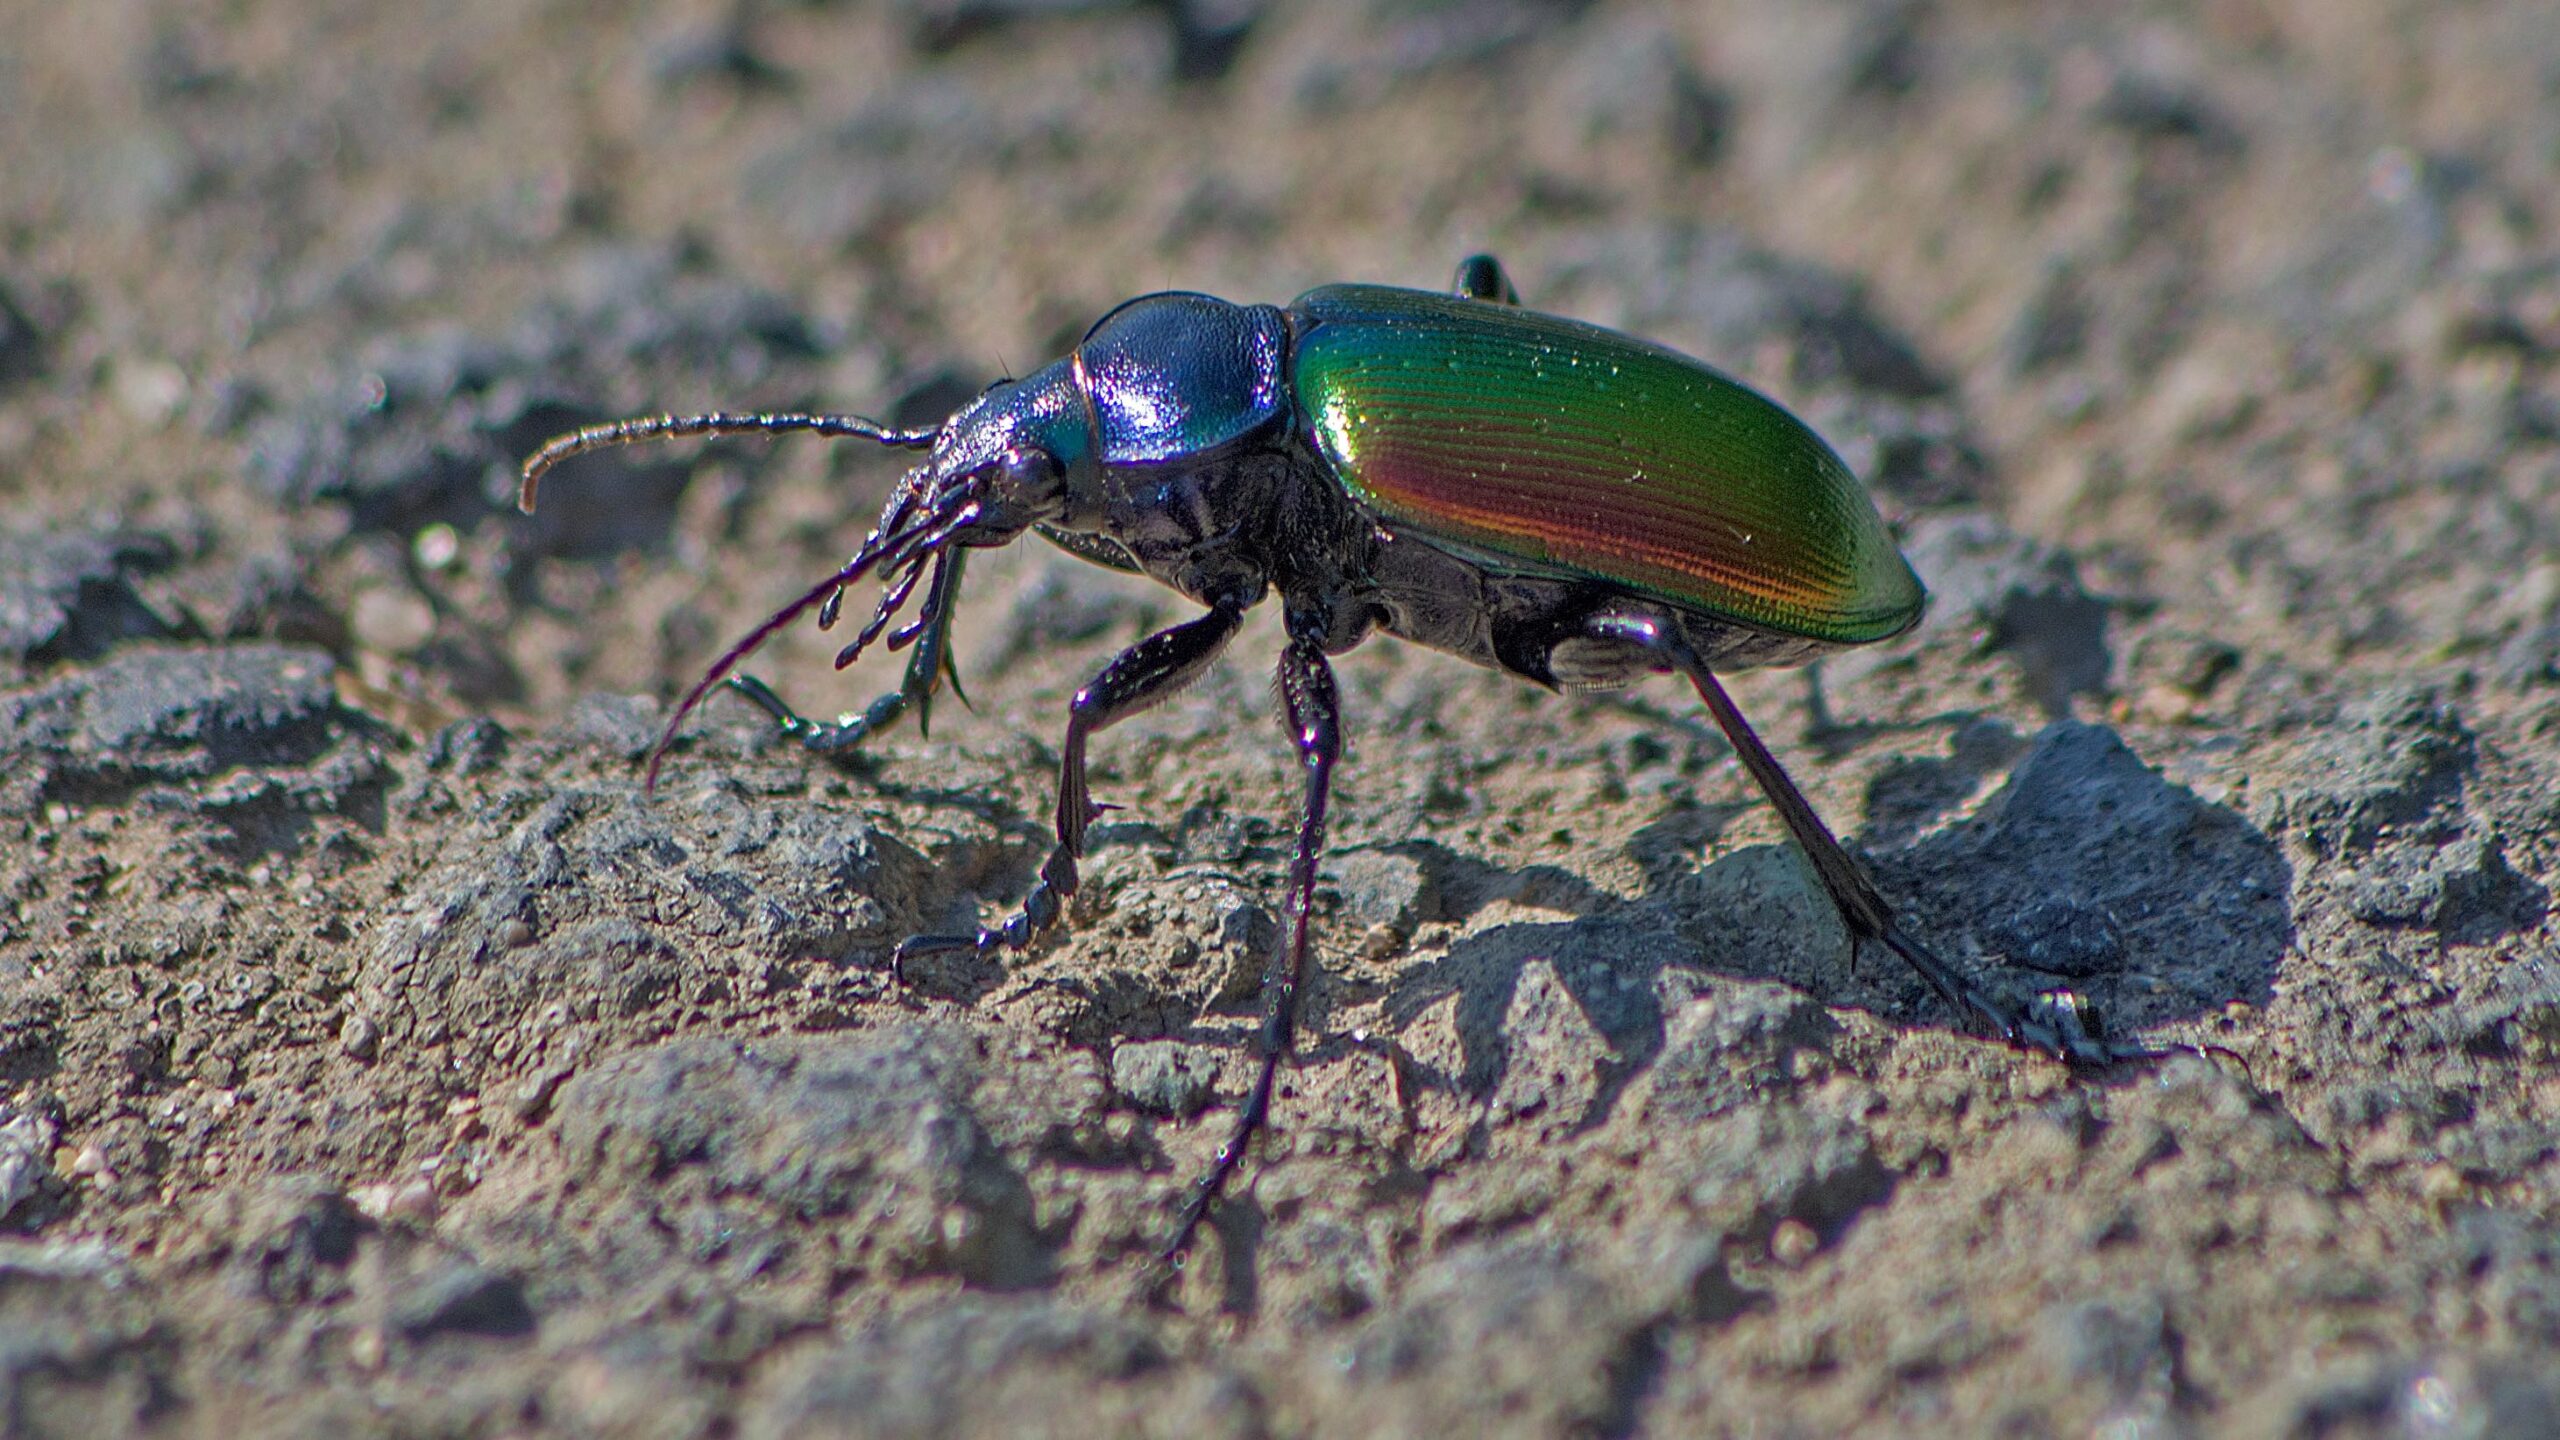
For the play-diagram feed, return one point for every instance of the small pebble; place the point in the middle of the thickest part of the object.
(533, 1096)
(151, 392)
(393, 620)
(1793, 1243)
(409, 1201)
(360, 1037)
(414, 1201)
(1163, 1077)
(436, 547)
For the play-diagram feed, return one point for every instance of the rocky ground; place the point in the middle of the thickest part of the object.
(376, 1058)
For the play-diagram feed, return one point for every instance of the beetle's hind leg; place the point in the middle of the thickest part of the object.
(1143, 675)
(1862, 907)
(1481, 277)
(928, 665)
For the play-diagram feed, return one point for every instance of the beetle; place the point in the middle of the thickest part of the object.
(1539, 495)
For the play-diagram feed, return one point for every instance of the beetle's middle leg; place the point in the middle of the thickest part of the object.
(1143, 675)
(927, 666)
(1312, 710)
(1863, 908)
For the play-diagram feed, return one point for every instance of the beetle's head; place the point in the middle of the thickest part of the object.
(1023, 453)
(1163, 380)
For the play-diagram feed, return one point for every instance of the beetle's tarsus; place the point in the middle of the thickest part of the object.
(1140, 676)
(930, 634)
(821, 737)
(2061, 1029)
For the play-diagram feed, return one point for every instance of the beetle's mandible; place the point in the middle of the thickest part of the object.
(1534, 494)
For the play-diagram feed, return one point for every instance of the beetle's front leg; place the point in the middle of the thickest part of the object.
(927, 665)
(1144, 674)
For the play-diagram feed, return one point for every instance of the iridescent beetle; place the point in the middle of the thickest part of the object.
(1534, 494)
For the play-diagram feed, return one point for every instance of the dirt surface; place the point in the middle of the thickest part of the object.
(375, 1058)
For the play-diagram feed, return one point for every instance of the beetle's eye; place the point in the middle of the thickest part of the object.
(1030, 472)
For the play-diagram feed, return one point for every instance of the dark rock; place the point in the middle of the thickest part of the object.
(468, 747)
(2384, 801)
(2053, 329)
(2088, 864)
(189, 713)
(262, 722)
(429, 427)
(2395, 759)
(2513, 1261)
(1630, 79)
(2530, 658)
(1240, 937)
(627, 725)
(874, 1130)
(1495, 1338)
(81, 1350)
(2410, 1395)
(2057, 937)
(2121, 1344)
(1401, 41)
(2156, 107)
(23, 343)
(983, 1365)
(69, 594)
(1734, 1045)
(2019, 596)
(271, 599)
(722, 50)
(1209, 34)
(298, 1239)
(2520, 1017)
(461, 1299)
(1383, 887)
(1206, 34)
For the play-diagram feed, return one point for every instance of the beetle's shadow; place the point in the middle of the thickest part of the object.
(2085, 869)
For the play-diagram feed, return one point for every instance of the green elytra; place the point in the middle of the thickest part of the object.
(1562, 447)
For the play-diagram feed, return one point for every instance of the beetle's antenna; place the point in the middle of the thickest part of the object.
(677, 427)
(921, 537)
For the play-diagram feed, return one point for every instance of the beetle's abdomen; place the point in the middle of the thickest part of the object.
(1570, 449)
